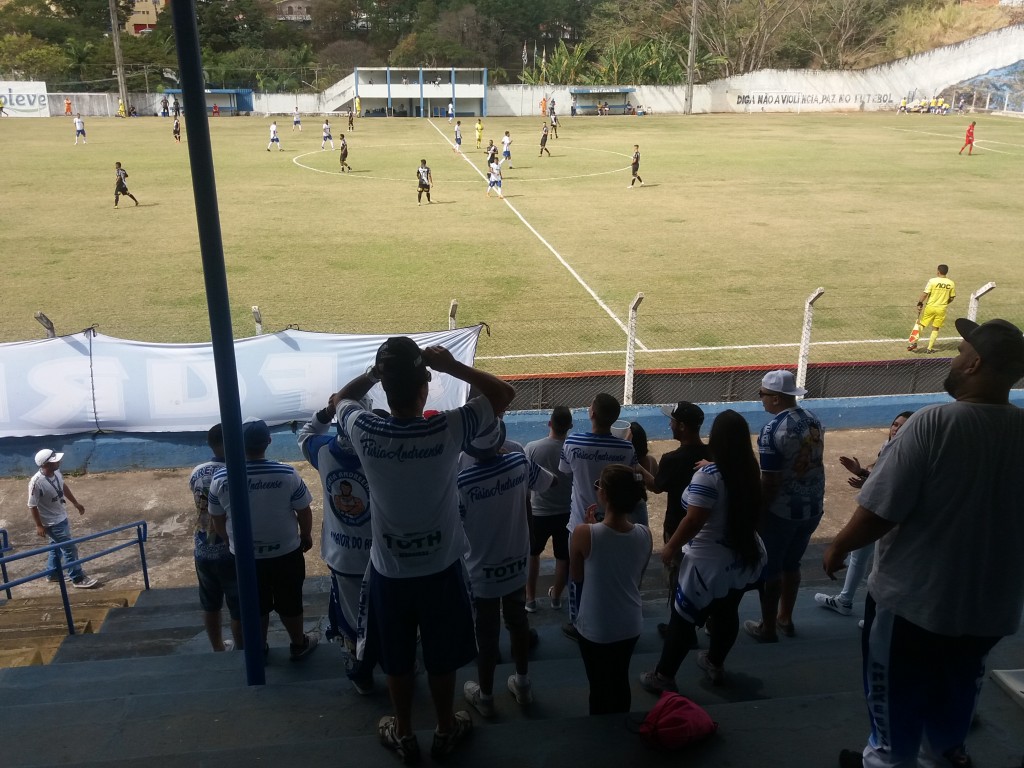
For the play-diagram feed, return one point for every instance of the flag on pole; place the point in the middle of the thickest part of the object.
(524, 53)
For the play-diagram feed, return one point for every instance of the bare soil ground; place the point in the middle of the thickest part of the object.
(162, 499)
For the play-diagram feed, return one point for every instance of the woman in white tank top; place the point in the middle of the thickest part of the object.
(607, 561)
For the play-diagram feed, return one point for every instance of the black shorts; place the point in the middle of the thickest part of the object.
(544, 527)
(636, 168)
(121, 189)
(424, 187)
(279, 580)
(217, 585)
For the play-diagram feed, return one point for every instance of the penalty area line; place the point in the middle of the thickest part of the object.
(546, 244)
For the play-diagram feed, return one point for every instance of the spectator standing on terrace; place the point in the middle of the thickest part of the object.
(549, 510)
(493, 502)
(722, 553)
(415, 578)
(791, 445)
(584, 456)
(48, 496)
(860, 559)
(673, 475)
(215, 565)
(164, 107)
(938, 294)
(945, 491)
(282, 530)
(607, 564)
(345, 537)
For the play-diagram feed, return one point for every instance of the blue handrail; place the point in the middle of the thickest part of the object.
(5, 546)
(140, 527)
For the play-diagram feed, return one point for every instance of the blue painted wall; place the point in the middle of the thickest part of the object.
(105, 452)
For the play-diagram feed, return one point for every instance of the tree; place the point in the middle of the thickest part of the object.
(839, 33)
(26, 58)
(746, 34)
(331, 20)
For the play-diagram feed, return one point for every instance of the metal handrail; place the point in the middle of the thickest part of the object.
(140, 527)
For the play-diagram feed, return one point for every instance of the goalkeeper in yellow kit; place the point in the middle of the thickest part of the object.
(938, 293)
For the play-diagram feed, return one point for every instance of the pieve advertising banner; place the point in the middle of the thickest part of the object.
(24, 98)
(88, 382)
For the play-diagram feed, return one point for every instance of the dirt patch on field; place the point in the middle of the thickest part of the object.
(163, 500)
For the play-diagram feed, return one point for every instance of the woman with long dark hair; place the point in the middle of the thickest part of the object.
(722, 554)
(607, 561)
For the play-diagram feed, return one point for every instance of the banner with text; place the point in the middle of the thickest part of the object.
(88, 382)
(23, 98)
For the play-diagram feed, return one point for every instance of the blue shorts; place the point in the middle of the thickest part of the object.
(493, 183)
(275, 140)
(218, 584)
(785, 541)
(438, 604)
(328, 137)
(506, 155)
(459, 141)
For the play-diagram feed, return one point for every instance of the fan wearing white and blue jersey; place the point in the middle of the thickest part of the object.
(345, 537)
(493, 495)
(586, 454)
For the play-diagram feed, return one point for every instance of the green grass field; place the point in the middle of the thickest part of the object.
(741, 218)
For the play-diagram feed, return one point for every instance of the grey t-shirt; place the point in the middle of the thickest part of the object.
(950, 479)
(556, 499)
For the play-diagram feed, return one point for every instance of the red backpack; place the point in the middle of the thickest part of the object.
(676, 721)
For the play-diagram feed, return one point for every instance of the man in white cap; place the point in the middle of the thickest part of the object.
(791, 447)
(944, 503)
(48, 495)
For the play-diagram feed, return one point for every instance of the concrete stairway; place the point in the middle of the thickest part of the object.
(146, 691)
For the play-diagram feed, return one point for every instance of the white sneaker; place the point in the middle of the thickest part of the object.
(475, 697)
(523, 693)
(832, 602)
(84, 582)
(556, 602)
(531, 606)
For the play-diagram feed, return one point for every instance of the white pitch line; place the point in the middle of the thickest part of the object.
(548, 245)
(792, 345)
(977, 143)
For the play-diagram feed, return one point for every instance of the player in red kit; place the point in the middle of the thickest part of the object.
(969, 140)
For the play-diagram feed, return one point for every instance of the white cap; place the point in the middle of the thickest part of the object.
(48, 456)
(782, 382)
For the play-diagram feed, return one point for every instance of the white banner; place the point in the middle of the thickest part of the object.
(24, 98)
(88, 382)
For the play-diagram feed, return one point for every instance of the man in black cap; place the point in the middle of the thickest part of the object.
(416, 577)
(945, 504)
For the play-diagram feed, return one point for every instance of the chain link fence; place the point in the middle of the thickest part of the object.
(836, 347)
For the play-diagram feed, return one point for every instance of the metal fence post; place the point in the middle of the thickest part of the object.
(452, 311)
(627, 395)
(805, 337)
(972, 306)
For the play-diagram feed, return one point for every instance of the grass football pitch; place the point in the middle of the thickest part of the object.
(741, 217)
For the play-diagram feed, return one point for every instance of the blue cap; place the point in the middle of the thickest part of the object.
(255, 435)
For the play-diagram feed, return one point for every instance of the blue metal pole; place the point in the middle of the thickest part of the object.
(204, 189)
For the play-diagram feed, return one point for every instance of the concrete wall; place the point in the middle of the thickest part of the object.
(120, 452)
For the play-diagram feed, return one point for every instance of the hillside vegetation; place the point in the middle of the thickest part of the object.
(245, 45)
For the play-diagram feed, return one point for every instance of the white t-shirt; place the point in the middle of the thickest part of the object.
(345, 536)
(276, 493)
(79, 124)
(950, 480)
(412, 468)
(495, 171)
(492, 502)
(584, 456)
(47, 494)
(273, 131)
(506, 143)
(611, 608)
